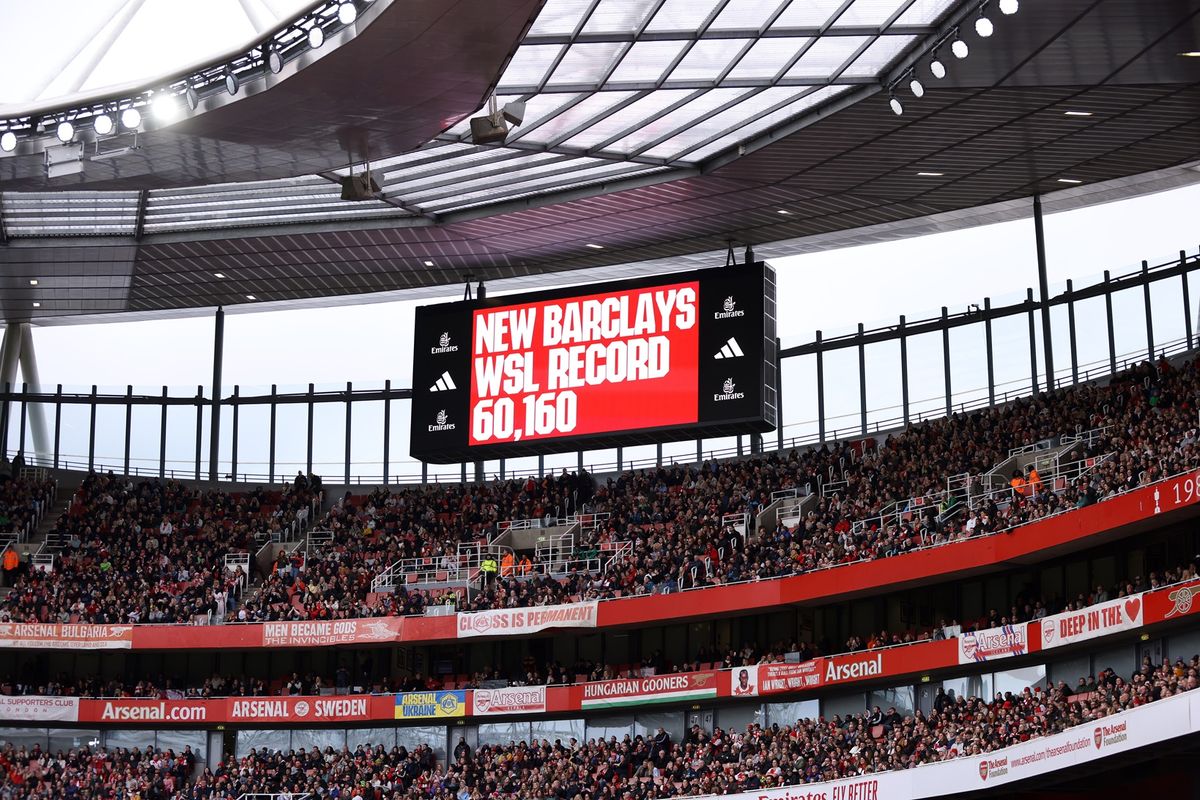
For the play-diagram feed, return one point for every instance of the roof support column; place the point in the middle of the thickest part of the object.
(1044, 291)
(214, 429)
(29, 374)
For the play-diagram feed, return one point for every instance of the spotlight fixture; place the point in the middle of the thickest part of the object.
(595, 246)
(491, 127)
(36, 304)
(231, 81)
(251, 297)
(274, 61)
(960, 49)
(166, 108)
(784, 212)
(65, 132)
(8, 141)
(937, 68)
(984, 26)
(1009, 7)
(514, 112)
(103, 124)
(1078, 113)
(33, 281)
(918, 88)
(192, 97)
(429, 263)
(316, 36)
(930, 174)
(1190, 54)
(1071, 181)
(218, 274)
(897, 108)
(347, 13)
(131, 118)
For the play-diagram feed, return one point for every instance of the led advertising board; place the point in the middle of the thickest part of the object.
(629, 362)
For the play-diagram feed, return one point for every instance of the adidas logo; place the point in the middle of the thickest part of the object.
(731, 349)
(444, 383)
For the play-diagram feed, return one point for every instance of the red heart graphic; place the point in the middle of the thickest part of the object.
(1133, 607)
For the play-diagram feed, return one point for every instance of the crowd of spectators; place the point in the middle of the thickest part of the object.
(23, 501)
(149, 551)
(635, 767)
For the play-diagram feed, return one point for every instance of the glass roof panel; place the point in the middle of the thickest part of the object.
(632, 116)
(59, 51)
(590, 174)
(769, 121)
(806, 14)
(924, 12)
(767, 57)
(586, 63)
(618, 16)
(529, 65)
(669, 123)
(737, 116)
(592, 178)
(647, 61)
(740, 15)
(596, 105)
(559, 17)
(527, 167)
(465, 164)
(868, 13)
(707, 59)
(882, 52)
(826, 55)
(683, 16)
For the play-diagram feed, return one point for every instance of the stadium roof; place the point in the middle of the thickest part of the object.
(653, 130)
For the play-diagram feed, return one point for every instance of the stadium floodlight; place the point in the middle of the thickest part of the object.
(65, 132)
(166, 108)
(274, 60)
(937, 68)
(347, 13)
(316, 36)
(232, 84)
(8, 141)
(984, 26)
(1009, 7)
(918, 88)
(103, 124)
(131, 118)
(514, 112)
(897, 108)
(960, 49)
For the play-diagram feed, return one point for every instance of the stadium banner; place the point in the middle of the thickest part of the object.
(544, 372)
(775, 678)
(511, 700)
(992, 643)
(649, 690)
(343, 708)
(125, 710)
(1172, 602)
(1100, 619)
(39, 709)
(322, 633)
(56, 636)
(515, 621)
(428, 705)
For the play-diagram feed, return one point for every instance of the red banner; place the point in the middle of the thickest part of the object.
(321, 633)
(131, 710)
(1173, 602)
(53, 636)
(774, 678)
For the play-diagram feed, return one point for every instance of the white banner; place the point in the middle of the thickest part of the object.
(512, 700)
(39, 709)
(992, 643)
(1157, 722)
(526, 620)
(1101, 619)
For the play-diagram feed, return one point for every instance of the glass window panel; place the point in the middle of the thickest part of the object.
(559, 17)
(646, 61)
(271, 741)
(500, 183)
(767, 57)
(881, 53)
(826, 56)
(679, 118)
(682, 15)
(970, 686)
(806, 14)
(529, 65)
(739, 117)
(24, 737)
(461, 160)
(178, 741)
(845, 705)
(618, 16)
(1017, 680)
(502, 733)
(707, 59)
(737, 718)
(586, 63)
(923, 12)
(745, 15)
(901, 698)
(883, 384)
(808, 101)
(596, 105)
(517, 169)
(558, 730)
(318, 739)
(605, 169)
(371, 737)
(608, 727)
(647, 725)
(868, 12)
(790, 713)
(432, 735)
(65, 739)
(130, 740)
(628, 117)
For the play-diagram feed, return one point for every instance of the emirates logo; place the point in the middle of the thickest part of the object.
(729, 309)
(443, 345)
(728, 392)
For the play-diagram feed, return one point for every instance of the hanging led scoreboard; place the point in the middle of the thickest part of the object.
(629, 362)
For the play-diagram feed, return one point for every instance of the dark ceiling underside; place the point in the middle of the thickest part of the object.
(997, 132)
